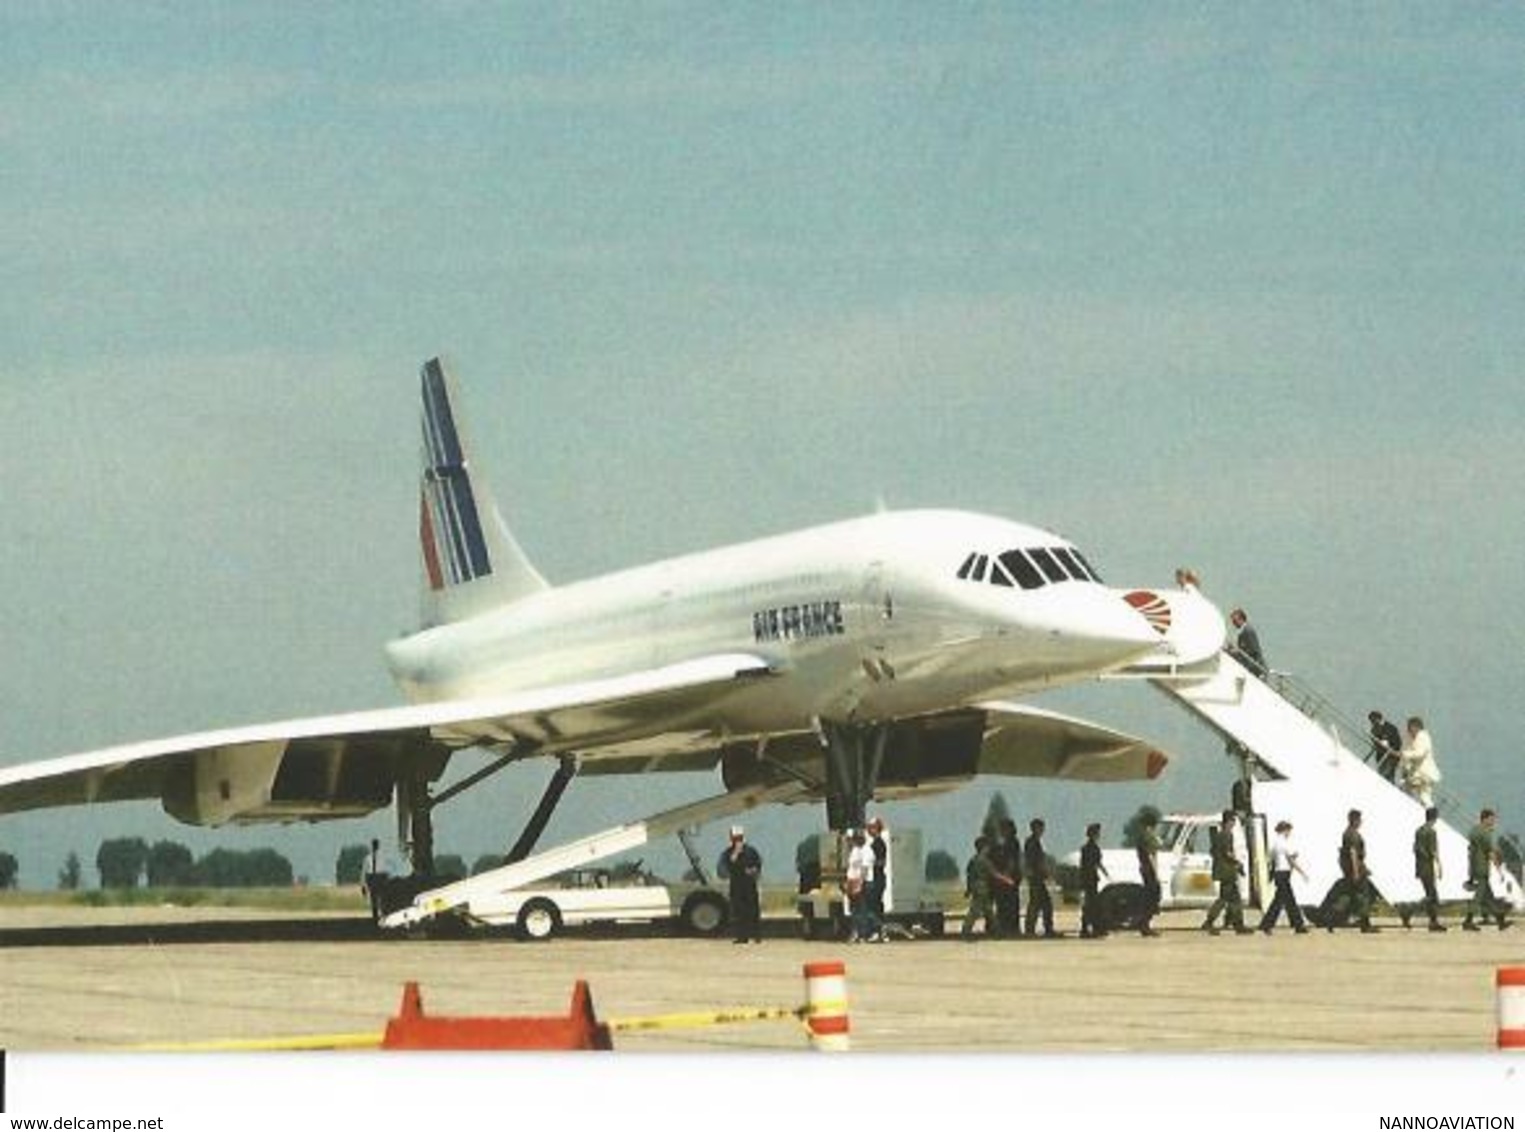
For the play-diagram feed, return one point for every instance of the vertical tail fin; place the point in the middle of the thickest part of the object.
(471, 560)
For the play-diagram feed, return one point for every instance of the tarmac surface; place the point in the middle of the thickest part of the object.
(78, 979)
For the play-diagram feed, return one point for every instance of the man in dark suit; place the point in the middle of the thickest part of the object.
(1386, 742)
(1247, 644)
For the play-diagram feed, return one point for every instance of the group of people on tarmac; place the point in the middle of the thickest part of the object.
(864, 880)
(995, 872)
(1355, 892)
(1001, 863)
(1482, 855)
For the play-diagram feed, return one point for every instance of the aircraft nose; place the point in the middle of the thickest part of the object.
(1111, 629)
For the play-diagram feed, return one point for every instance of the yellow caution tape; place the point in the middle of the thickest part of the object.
(270, 1045)
(696, 1019)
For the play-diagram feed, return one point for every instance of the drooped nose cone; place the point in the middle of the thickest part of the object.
(1112, 629)
(1089, 628)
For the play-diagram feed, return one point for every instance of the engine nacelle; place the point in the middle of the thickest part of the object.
(295, 780)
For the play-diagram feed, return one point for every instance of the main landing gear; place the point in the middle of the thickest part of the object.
(415, 821)
(854, 757)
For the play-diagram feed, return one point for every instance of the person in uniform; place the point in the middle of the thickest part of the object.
(1148, 850)
(1091, 872)
(1427, 867)
(1035, 867)
(1482, 855)
(1006, 854)
(1283, 864)
(743, 865)
(1356, 875)
(1227, 869)
(981, 878)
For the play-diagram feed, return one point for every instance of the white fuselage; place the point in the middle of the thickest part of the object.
(866, 619)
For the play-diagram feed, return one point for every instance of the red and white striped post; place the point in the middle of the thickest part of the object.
(826, 1006)
(1509, 983)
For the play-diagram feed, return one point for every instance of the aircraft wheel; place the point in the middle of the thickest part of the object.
(705, 913)
(1121, 906)
(539, 919)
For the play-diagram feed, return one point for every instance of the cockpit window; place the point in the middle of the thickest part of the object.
(1051, 568)
(1086, 566)
(1068, 562)
(1030, 567)
(1022, 569)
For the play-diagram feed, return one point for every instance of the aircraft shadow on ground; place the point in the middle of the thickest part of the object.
(326, 930)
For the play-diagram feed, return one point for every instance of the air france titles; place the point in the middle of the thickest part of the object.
(798, 622)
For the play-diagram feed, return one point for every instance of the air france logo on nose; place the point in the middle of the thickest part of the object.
(798, 622)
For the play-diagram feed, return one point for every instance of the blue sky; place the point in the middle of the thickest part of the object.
(1238, 287)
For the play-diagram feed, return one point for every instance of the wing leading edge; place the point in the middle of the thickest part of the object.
(663, 720)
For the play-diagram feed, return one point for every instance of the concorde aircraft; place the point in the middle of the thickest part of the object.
(872, 658)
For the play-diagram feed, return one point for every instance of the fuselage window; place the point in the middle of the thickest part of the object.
(1022, 569)
(963, 571)
(979, 568)
(998, 574)
(1046, 563)
(1069, 563)
(1089, 569)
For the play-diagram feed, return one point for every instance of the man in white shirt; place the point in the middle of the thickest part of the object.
(1283, 862)
(859, 881)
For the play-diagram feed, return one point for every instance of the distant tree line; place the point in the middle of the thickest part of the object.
(127, 862)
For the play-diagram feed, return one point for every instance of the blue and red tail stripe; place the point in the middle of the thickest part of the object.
(450, 528)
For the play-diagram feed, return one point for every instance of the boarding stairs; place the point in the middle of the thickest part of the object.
(457, 897)
(1309, 765)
